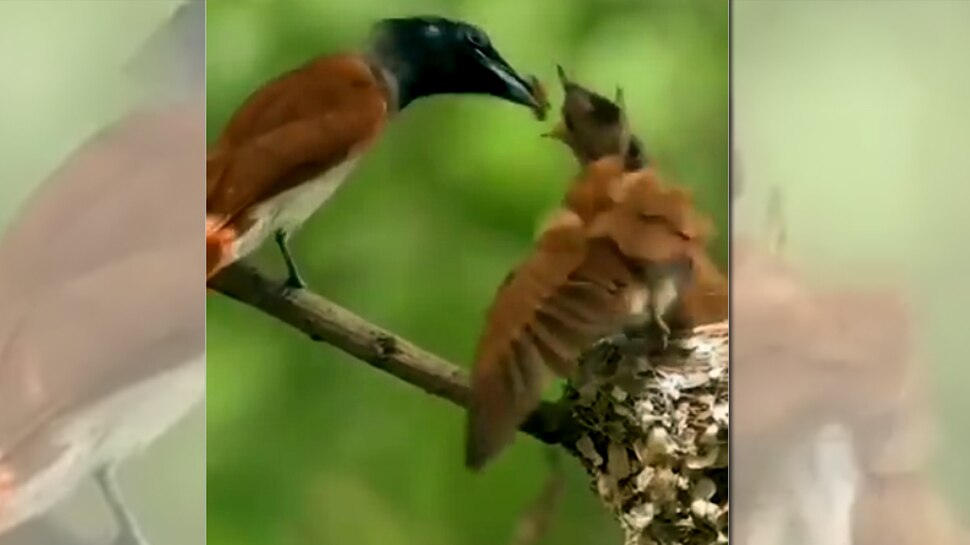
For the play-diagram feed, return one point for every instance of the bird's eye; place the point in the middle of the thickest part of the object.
(476, 37)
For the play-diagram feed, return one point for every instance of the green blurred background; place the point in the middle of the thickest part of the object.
(307, 446)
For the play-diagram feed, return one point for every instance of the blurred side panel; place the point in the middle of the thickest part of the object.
(102, 303)
(849, 269)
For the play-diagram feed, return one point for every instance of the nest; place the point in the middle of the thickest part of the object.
(653, 436)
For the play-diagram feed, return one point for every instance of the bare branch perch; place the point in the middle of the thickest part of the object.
(651, 435)
(325, 321)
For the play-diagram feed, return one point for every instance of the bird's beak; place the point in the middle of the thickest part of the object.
(514, 87)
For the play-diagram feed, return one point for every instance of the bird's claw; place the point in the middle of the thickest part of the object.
(294, 283)
(293, 279)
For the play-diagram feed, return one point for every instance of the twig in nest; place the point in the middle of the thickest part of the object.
(678, 405)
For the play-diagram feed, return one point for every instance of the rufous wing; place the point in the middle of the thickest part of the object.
(294, 128)
(560, 300)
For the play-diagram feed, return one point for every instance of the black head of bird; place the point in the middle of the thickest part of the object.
(432, 56)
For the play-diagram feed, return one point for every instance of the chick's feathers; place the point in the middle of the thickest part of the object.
(583, 281)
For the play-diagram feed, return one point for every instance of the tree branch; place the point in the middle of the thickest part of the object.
(325, 321)
(651, 432)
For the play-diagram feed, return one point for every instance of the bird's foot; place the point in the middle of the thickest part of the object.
(293, 279)
(294, 282)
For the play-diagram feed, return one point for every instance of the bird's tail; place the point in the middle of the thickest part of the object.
(218, 246)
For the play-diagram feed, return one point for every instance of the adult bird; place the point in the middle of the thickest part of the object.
(293, 142)
(102, 317)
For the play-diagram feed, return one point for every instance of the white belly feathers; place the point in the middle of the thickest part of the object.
(290, 209)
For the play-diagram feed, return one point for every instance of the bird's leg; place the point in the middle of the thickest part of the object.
(663, 295)
(665, 282)
(293, 278)
(649, 331)
(128, 531)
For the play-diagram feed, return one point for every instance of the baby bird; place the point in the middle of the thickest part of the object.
(615, 256)
(592, 125)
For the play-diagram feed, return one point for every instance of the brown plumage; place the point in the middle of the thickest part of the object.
(284, 136)
(586, 279)
(617, 254)
(290, 130)
(592, 127)
(292, 143)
